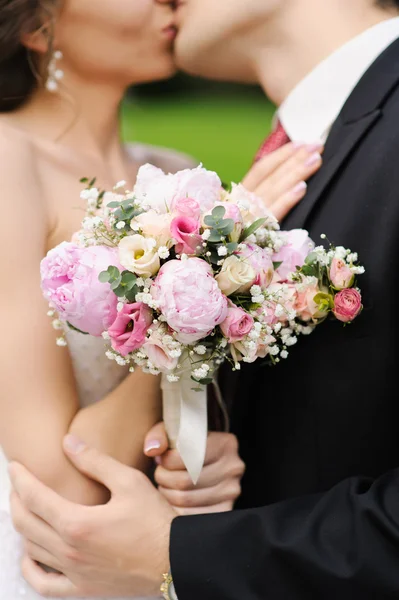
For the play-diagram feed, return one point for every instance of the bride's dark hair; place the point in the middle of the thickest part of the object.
(19, 67)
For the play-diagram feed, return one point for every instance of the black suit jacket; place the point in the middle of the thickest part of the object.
(320, 433)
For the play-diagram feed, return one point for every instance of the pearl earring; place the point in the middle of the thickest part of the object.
(54, 74)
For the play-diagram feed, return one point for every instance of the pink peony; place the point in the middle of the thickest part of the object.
(347, 305)
(340, 274)
(70, 283)
(189, 298)
(198, 184)
(260, 260)
(237, 324)
(186, 207)
(185, 231)
(161, 191)
(128, 331)
(293, 254)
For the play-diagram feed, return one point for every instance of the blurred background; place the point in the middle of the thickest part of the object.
(221, 125)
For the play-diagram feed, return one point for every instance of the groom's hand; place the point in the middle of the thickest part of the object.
(118, 549)
(219, 485)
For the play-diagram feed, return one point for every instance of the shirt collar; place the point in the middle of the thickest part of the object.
(312, 107)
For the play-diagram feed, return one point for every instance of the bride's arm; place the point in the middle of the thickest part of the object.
(38, 398)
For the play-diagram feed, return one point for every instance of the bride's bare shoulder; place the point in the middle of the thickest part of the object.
(166, 159)
(18, 173)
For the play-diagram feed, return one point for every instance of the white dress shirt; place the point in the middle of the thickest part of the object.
(310, 110)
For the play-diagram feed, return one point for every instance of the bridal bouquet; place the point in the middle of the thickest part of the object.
(179, 275)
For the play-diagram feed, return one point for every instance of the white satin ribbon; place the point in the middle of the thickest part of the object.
(185, 415)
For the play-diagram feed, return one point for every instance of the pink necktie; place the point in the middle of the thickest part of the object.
(276, 139)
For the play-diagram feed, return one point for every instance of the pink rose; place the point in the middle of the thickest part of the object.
(260, 260)
(185, 231)
(305, 305)
(293, 254)
(189, 298)
(186, 207)
(340, 274)
(159, 354)
(237, 324)
(128, 331)
(70, 283)
(347, 305)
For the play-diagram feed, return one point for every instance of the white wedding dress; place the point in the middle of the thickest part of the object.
(96, 376)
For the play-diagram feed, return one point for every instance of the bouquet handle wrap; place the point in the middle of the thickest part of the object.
(185, 415)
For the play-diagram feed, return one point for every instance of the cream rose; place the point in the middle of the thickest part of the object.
(235, 274)
(139, 255)
(156, 226)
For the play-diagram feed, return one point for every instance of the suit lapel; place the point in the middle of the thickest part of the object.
(342, 141)
(360, 113)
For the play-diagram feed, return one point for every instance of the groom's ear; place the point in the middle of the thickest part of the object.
(156, 441)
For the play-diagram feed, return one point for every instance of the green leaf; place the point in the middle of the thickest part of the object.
(127, 204)
(113, 273)
(231, 247)
(104, 277)
(226, 227)
(311, 258)
(252, 228)
(92, 182)
(84, 180)
(76, 329)
(214, 237)
(131, 294)
(276, 265)
(210, 221)
(116, 283)
(218, 212)
(309, 271)
(119, 291)
(128, 276)
(113, 204)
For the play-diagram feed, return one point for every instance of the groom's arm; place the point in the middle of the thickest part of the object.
(342, 544)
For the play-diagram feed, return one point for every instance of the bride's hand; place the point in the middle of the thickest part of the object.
(219, 484)
(280, 177)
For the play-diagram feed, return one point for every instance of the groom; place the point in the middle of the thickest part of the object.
(319, 434)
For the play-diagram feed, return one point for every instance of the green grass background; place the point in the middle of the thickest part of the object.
(223, 130)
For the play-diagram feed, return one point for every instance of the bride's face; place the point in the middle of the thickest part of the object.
(213, 34)
(125, 41)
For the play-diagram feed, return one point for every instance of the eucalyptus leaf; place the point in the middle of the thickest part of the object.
(215, 236)
(231, 247)
(210, 221)
(114, 204)
(276, 265)
(131, 294)
(218, 212)
(114, 272)
(104, 277)
(119, 291)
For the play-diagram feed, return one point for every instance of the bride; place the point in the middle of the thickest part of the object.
(64, 69)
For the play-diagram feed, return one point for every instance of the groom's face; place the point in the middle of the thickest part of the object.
(213, 34)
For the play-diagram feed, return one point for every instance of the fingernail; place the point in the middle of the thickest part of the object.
(152, 445)
(299, 188)
(73, 444)
(317, 146)
(297, 145)
(312, 160)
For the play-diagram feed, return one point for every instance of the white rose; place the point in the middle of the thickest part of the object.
(156, 226)
(138, 255)
(235, 273)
